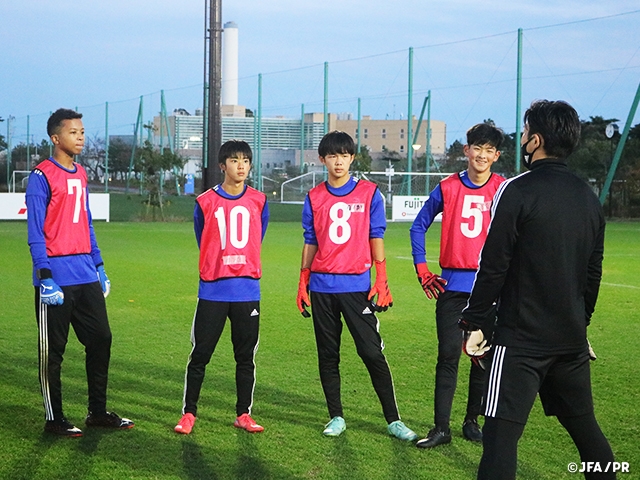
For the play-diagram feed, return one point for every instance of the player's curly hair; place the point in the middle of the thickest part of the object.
(55, 120)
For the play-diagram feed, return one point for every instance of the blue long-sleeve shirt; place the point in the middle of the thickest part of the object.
(236, 289)
(65, 270)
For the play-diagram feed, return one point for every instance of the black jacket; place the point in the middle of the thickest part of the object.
(542, 261)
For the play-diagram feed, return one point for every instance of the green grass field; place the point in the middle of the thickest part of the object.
(153, 270)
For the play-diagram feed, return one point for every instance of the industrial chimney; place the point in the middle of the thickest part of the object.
(230, 64)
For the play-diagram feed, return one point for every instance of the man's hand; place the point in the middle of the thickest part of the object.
(381, 288)
(592, 354)
(432, 284)
(302, 299)
(474, 343)
(105, 283)
(50, 292)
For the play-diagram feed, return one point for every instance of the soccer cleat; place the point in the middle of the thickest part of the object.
(401, 431)
(435, 437)
(471, 430)
(335, 427)
(185, 425)
(62, 427)
(108, 420)
(245, 422)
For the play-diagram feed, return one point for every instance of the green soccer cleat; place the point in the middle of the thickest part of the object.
(335, 427)
(401, 431)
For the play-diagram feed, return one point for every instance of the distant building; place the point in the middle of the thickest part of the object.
(281, 137)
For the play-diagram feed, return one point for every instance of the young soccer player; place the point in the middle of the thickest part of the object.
(68, 275)
(344, 223)
(464, 199)
(230, 221)
(542, 262)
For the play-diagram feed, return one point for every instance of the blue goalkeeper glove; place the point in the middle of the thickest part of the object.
(105, 283)
(50, 292)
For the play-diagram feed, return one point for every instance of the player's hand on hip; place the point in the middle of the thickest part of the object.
(105, 283)
(302, 299)
(432, 284)
(50, 292)
(381, 288)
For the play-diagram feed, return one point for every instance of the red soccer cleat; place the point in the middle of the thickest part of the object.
(245, 422)
(185, 425)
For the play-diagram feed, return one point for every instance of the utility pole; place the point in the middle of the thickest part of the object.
(212, 134)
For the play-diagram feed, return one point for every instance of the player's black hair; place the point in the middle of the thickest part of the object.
(336, 142)
(485, 134)
(234, 147)
(59, 116)
(557, 123)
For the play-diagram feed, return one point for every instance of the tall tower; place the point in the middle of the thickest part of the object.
(230, 64)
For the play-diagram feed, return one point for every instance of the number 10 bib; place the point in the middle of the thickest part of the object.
(232, 235)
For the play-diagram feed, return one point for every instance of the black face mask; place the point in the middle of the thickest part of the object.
(527, 157)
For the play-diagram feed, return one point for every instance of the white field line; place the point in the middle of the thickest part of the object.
(620, 285)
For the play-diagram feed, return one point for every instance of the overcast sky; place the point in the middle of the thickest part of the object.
(82, 54)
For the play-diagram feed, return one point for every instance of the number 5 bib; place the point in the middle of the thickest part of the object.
(465, 219)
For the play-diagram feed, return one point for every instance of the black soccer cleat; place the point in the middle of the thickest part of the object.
(62, 427)
(471, 430)
(108, 420)
(435, 437)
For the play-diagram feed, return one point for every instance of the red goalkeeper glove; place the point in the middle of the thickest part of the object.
(303, 292)
(381, 288)
(432, 284)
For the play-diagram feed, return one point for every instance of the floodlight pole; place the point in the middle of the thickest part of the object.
(359, 136)
(28, 149)
(258, 146)
(519, 101)
(211, 174)
(410, 121)
(9, 152)
(302, 139)
(326, 99)
(106, 147)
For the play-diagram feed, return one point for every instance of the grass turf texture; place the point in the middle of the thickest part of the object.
(132, 208)
(153, 269)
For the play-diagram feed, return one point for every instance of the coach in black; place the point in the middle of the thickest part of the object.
(542, 263)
